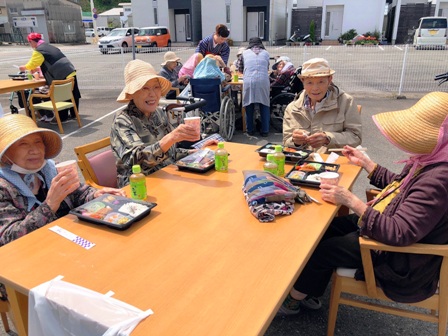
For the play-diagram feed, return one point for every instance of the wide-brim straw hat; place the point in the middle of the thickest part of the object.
(14, 127)
(136, 74)
(280, 59)
(170, 56)
(416, 129)
(316, 67)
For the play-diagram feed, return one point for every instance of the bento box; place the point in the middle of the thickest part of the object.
(292, 154)
(306, 173)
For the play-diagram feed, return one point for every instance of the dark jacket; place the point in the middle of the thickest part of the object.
(56, 65)
(418, 214)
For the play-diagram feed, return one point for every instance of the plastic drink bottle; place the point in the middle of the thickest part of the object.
(279, 159)
(270, 165)
(221, 158)
(137, 183)
(29, 75)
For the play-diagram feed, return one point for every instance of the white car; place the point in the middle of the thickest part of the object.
(117, 39)
(89, 32)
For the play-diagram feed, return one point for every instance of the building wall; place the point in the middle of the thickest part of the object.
(301, 19)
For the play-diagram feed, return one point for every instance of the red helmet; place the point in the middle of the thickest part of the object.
(34, 36)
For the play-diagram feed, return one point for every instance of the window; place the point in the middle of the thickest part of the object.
(227, 13)
(156, 19)
(13, 10)
(261, 25)
(187, 27)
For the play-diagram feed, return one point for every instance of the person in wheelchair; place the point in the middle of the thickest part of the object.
(283, 69)
(170, 70)
(323, 116)
(141, 133)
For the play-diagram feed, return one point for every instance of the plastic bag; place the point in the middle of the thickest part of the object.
(189, 66)
(60, 308)
(208, 68)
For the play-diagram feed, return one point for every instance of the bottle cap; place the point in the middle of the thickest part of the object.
(270, 157)
(220, 144)
(136, 169)
(278, 148)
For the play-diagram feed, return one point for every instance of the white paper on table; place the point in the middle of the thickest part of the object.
(332, 157)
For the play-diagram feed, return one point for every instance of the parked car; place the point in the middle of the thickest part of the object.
(103, 31)
(89, 32)
(118, 38)
(431, 32)
(153, 37)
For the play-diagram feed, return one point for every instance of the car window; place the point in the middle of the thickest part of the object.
(118, 32)
(433, 23)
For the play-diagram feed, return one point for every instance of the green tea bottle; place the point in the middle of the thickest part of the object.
(221, 158)
(279, 159)
(138, 183)
(270, 165)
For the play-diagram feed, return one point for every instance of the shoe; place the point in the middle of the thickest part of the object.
(290, 306)
(311, 302)
(44, 118)
(264, 135)
(250, 133)
(53, 121)
(48, 119)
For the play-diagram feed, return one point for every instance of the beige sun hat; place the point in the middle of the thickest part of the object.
(136, 74)
(240, 51)
(14, 127)
(316, 67)
(170, 56)
(416, 129)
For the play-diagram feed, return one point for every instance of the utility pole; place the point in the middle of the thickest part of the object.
(94, 16)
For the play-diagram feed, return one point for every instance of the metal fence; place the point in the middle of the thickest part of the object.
(397, 70)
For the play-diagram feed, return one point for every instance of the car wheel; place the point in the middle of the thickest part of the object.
(125, 47)
(103, 51)
(169, 45)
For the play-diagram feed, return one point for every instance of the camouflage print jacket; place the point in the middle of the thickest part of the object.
(135, 140)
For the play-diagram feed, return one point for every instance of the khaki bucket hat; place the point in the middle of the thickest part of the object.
(316, 67)
(136, 74)
(14, 127)
(170, 56)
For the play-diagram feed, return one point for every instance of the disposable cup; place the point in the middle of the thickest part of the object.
(196, 122)
(329, 178)
(69, 165)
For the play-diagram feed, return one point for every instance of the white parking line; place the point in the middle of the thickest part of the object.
(398, 47)
(380, 47)
(328, 48)
(93, 122)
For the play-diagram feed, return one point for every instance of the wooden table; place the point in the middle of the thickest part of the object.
(240, 84)
(200, 260)
(9, 85)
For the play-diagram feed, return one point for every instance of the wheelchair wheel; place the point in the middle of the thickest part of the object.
(227, 118)
(278, 106)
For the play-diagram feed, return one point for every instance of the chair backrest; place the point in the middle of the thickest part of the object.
(61, 90)
(99, 170)
(208, 89)
(344, 282)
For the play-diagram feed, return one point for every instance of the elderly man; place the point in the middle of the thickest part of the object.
(323, 115)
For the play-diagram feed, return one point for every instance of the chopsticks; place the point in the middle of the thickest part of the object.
(362, 149)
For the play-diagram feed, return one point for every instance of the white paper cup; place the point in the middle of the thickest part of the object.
(329, 178)
(69, 165)
(196, 122)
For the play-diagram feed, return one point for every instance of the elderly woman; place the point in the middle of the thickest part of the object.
(283, 69)
(410, 209)
(32, 192)
(323, 115)
(141, 133)
(254, 65)
(170, 70)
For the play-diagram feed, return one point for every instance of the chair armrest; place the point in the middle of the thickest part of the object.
(39, 95)
(368, 244)
(371, 193)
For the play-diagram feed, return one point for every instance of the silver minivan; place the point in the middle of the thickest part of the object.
(431, 32)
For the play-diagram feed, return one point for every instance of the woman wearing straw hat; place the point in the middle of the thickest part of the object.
(170, 70)
(141, 132)
(323, 115)
(411, 208)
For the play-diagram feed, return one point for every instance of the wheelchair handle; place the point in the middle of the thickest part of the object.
(194, 103)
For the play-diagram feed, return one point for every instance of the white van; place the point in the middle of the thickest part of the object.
(431, 32)
(103, 31)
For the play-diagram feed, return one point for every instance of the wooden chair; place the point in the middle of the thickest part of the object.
(344, 282)
(4, 308)
(99, 170)
(61, 98)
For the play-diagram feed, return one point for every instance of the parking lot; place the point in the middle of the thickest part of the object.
(371, 75)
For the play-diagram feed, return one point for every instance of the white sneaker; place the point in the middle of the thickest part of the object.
(44, 118)
(49, 119)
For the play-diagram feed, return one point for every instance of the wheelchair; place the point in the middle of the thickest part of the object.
(218, 114)
(282, 96)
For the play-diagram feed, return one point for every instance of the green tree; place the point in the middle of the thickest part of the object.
(312, 31)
